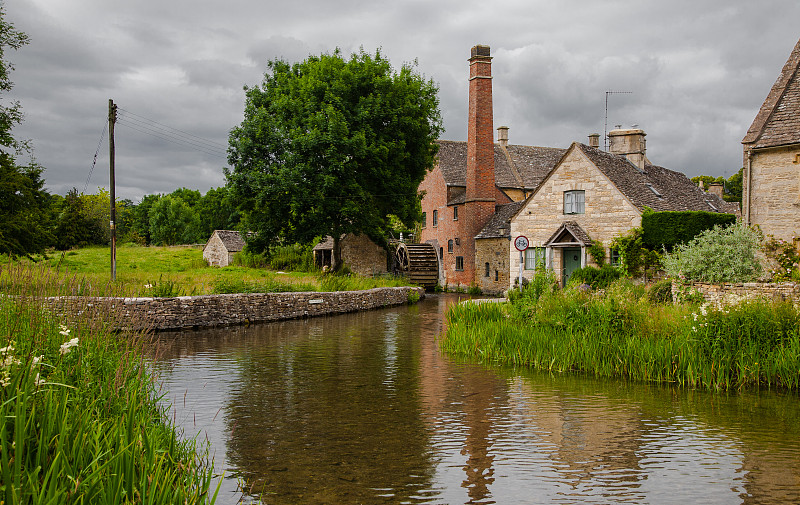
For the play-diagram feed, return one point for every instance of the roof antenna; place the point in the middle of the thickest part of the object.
(605, 127)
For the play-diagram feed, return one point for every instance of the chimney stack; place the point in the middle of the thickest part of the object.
(502, 135)
(629, 143)
(594, 140)
(715, 188)
(480, 128)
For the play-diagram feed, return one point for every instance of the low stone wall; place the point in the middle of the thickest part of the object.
(729, 293)
(234, 309)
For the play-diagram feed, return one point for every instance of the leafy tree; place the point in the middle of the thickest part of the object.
(216, 211)
(72, 228)
(139, 230)
(172, 222)
(190, 197)
(330, 146)
(23, 201)
(732, 188)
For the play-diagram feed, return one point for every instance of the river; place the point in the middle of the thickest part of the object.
(364, 408)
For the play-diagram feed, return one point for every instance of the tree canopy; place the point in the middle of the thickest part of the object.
(330, 146)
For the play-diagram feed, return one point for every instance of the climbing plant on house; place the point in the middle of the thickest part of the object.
(330, 146)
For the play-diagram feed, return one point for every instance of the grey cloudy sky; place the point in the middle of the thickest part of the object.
(698, 70)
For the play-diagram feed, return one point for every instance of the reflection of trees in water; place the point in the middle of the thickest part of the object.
(327, 411)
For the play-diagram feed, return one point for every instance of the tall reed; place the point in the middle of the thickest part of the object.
(622, 334)
(79, 417)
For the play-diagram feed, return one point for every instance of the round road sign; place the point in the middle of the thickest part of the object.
(521, 243)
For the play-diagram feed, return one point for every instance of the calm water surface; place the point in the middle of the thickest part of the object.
(363, 408)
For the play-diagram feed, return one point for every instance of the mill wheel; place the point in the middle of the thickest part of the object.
(419, 263)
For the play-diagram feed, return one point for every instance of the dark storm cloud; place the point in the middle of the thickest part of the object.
(698, 72)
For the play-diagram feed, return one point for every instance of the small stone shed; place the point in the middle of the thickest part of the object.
(359, 253)
(221, 247)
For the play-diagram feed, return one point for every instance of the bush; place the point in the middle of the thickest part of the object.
(660, 292)
(717, 255)
(598, 253)
(598, 278)
(294, 258)
(665, 230)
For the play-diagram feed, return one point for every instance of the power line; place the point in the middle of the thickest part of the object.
(94, 161)
(169, 134)
(183, 133)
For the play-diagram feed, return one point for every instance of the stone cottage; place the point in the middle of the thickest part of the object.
(221, 247)
(771, 198)
(359, 253)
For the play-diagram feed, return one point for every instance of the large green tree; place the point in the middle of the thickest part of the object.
(23, 201)
(172, 222)
(330, 146)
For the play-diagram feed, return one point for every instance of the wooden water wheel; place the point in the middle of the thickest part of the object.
(419, 263)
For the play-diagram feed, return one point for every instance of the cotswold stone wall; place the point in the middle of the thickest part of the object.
(728, 294)
(234, 309)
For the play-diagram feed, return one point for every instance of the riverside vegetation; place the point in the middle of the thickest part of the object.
(80, 418)
(620, 329)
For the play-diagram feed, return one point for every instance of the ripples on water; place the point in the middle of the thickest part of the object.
(363, 408)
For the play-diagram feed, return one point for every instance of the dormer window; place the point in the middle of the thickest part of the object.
(574, 202)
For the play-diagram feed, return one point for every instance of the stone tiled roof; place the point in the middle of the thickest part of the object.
(231, 239)
(498, 225)
(656, 187)
(778, 121)
(574, 229)
(515, 166)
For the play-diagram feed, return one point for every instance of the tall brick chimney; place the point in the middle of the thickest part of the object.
(480, 129)
(480, 192)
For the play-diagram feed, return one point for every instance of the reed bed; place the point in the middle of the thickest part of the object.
(80, 420)
(620, 333)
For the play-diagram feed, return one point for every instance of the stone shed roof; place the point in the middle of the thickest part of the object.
(499, 224)
(523, 167)
(656, 187)
(231, 239)
(778, 121)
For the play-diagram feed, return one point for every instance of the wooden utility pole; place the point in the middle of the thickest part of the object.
(112, 118)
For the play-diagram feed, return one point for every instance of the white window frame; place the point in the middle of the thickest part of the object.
(534, 258)
(575, 201)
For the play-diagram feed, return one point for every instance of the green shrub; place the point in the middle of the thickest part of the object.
(249, 259)
(598, 278)
(598, 253)
(665, 230)
(294, 258)
(474, 289)
(634, 258)
(413, 296)
(787, 257)
(717, 255)
(165, 288)
(660, 292)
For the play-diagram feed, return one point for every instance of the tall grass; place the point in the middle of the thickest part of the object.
(623, 334)
(79, 416)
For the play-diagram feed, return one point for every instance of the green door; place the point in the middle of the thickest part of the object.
(571, 261)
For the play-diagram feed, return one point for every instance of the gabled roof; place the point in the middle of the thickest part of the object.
(778, 121)
(522, 167)
(232, 240)
(656, 187)
(498, 225)
(569, 233)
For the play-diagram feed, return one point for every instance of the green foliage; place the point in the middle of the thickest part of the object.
(295, 258)
(623, 334)
(413, 296)
(330, 146)
(598, 253)
(732, 188)
(165, 288)
(250, 260)
(23, 207)
(140, 219)
(660, 292)
(267, 285)
(787, 258)
(717, 255)
(474, 289)
(172, 222)
(665, 230)
(80, 420)
(216, 211)
(634, 258)
(598, 278)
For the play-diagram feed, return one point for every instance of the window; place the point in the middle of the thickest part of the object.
(459, 263)
(534, 258)
(424, 219)
(435, 217)
(455, 213)
(574, 202)
(441, 249)
(450, 245)
(496, 275)
(487, 270)
(614, 256)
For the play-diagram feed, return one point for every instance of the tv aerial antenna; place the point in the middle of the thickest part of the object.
(605, 128)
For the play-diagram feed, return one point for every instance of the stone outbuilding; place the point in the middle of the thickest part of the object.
(359, 253)
(771, 198)
(221, 247)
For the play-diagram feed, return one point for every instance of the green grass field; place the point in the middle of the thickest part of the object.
(181, 270)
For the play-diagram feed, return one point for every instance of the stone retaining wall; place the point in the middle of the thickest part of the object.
(234, 309)
(729, 294)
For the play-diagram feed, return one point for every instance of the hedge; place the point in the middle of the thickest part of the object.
(668, 229)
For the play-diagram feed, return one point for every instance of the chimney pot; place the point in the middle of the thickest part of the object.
(481, 50)
(594, 140)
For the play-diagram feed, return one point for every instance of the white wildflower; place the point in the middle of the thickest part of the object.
(64, 331)
(148, 286)
(38, 381)
(66, 346)
(36, 360)
(7, 349)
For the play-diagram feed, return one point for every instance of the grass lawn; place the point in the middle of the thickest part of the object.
(181, 270)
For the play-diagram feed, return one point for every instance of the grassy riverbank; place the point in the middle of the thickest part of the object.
(622, 333)
(79, 416)
(181, 270)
